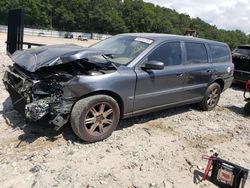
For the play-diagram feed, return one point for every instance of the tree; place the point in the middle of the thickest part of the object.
(115, 16)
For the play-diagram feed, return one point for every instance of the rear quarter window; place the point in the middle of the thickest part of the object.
(219, 54)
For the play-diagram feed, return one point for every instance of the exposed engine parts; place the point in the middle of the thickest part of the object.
(38, 109)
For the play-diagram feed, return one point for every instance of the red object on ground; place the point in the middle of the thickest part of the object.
(224, 173)
(209, 165)
(247, 87)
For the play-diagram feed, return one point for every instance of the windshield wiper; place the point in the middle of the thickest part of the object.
(107, 57)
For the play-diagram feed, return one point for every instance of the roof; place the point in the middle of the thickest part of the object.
(164, 37)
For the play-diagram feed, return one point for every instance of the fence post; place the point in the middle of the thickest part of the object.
(15, 30)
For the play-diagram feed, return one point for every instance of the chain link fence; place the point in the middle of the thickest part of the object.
(60, 34)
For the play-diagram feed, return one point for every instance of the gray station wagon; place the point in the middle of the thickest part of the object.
(120, 77)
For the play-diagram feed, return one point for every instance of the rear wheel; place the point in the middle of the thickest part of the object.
(95, 118)
(211, 97)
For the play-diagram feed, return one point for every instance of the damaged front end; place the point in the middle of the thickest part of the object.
(36, 99)
(39, 77)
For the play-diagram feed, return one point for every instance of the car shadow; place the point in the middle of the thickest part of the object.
(238, 86)
(236, 109)
(33, 131)
(154, 116)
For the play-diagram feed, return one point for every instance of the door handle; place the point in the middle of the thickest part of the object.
(209, 71)
(179, 75)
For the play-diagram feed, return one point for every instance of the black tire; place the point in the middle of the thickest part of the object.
(95, 118)
(247, 109)
(211, 98)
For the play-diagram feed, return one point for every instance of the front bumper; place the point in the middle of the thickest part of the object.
(55, 108)
(18, 100)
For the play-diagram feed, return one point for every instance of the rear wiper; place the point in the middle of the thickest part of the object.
(107, 57)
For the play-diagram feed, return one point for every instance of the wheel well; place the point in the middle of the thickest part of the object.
(115, 96)
(221, 83)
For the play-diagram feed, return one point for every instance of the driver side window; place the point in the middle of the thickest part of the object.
(168, 53)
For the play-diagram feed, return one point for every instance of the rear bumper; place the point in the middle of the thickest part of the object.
(241, 76)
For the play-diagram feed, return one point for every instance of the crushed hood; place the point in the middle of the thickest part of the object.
(51, 55)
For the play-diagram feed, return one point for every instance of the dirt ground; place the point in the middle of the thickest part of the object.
(161, 149)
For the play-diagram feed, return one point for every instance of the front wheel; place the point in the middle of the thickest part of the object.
(95, 118)
(211, 97)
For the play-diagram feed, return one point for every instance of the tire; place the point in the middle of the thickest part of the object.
(211, 97)
(95, 118)
(247, 109)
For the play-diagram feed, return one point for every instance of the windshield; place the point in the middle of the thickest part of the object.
(243, 51)
(123, 49)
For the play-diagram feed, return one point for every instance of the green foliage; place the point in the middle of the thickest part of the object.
(114, 16)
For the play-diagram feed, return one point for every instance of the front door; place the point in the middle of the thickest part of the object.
(160, 88)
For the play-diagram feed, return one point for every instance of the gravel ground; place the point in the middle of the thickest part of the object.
(161, 149)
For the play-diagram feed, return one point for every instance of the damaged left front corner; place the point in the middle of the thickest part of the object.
(58, 111)
(36, 99)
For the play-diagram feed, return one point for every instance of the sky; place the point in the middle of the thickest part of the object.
(225, 14)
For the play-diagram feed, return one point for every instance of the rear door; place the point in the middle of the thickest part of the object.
(159, 88)
(198, 70)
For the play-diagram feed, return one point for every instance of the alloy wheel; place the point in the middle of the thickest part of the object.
(99, 119)
(213, 97)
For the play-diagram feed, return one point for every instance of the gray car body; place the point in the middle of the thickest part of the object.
(140, 91)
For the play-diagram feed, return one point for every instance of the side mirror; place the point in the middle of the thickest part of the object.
(153, 65)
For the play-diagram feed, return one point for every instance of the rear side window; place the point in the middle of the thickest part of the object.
(168, 53)
(196, 53)
(219, 54)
